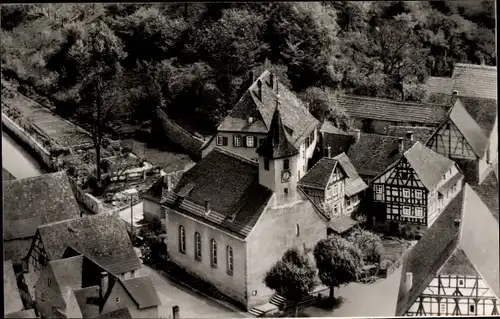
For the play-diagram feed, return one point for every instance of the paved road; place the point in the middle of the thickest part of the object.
(191, 304)
(17, 161)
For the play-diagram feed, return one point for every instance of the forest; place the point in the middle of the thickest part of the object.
(193, 59)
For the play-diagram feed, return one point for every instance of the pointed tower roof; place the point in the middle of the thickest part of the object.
(277, 143)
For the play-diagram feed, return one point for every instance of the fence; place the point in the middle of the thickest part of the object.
(178, 136)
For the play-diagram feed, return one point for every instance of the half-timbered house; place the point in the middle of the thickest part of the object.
(469, 136)
(31, 202)
(248, 123)
(354, 188)
(415, 189)
(453, 269)
(103, 238)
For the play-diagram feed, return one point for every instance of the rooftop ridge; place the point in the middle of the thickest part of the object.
(260, 77)
(407, 103)
(235, 155)
(63, 260)
(476, 66)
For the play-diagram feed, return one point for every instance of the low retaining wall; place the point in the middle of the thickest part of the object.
(177, 135)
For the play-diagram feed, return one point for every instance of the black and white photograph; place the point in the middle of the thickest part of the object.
(250, 159)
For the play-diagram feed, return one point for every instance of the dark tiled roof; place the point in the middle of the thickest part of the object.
(319, 175)
(22, 314)
(231, 184)
(35, 201)
(420, 133)
(436, 84)
(373, 153)
(469, 128)
(445, 239)
(353, 183)
(6, 176)
(142, 291)
(342, 224)
(12, 301)
(68, 272)
(483, 111)
(475, 80)
(16, 249)
(122, 313)
(427, 164)
(295, 114)
(88, 300)
(339, 143)
(278, 142)
(488, 191)
(102, 238)
(328, 127)
(390, 110)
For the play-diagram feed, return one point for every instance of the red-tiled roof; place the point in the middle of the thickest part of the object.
(103, 238)
(278, 142)
(390, 110)
(441, 247)
(231, 184)
(475, 80)
(34, 201)
(295, 114)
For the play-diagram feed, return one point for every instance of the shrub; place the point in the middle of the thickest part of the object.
(386, 264)
(369, 243)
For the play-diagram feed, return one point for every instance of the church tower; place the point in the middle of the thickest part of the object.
(278, 159)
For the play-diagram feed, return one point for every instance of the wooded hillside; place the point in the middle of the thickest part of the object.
(193, 58)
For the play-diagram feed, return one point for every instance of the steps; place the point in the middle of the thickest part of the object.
(282, 303)
(256, 312)
(277, 300)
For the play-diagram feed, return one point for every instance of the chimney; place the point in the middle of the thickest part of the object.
(271, 80)
(455, 92)
(250, 120)
(207, 206)
(408, 282)
(358, 134)
(251, 77)
(104, 283)
(409, 135)
(457, 222)
(329, 151)
(259, 90)
(175, 311)
(401, 145)
(167, 181)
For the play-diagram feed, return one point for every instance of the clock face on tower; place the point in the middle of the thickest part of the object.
(285, 176)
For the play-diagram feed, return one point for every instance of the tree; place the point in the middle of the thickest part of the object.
(97, 54)
(339, 262)
(292, 277)
(369, 243)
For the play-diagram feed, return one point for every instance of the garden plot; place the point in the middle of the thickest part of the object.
(59, 130)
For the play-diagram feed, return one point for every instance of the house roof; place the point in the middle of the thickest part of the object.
(328, 127)
(6, 176)
(295, 115)
(231, 183)
(420, 133)
(488, 191)
(444, 239)
(278, 142)
(35, 201)
(469, 128)
(12, 299)
(68, 271)
(390, 110)
(319, 175)
(338, 143)
(483, 111)
(475, 80)
(123, 313)
(342, 223)
(142, 291)
(30, 313)
(440, 85)
(353, 183)
(16, 249)
(427, 164)
(373, 153)
(102, 238)
(88, 299)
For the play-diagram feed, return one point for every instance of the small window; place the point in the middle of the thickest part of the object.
(224, 140)
(237, 140)
(229, 260)
(285, 191)
(418, 194)
(348, 201)
(220, 140)
(471, 309)
(42, 296)
(404, 175)
(335, 209)
(266, 164)
(297, 230)
(214, 253)
(197, 246)
(460, 282)
(182, 240)
(286, 164)
(406, 211)
(250, 141)
(378, 189)
(406, 193)
(117, 299)
(419, 212)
